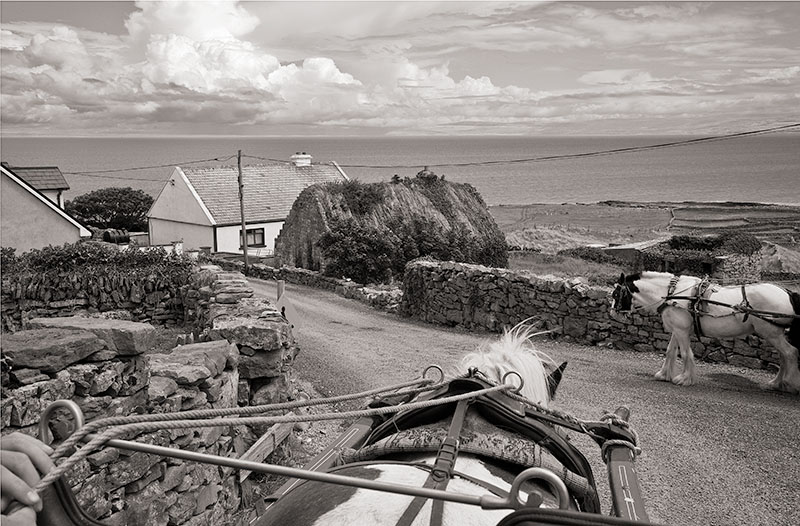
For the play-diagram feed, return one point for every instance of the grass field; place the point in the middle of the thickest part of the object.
(549, 228)
(563, 267)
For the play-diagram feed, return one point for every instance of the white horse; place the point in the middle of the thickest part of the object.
(722, 312)
(314, 503)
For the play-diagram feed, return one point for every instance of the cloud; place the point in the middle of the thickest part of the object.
(407, 67)
(207, 66)
(198, 21)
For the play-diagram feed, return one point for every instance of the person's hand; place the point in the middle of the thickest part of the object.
(23, 461)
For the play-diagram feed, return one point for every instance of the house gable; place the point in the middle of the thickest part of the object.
(30, 220)
(178, 202)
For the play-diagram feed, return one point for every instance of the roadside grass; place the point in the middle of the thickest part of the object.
(564, 267)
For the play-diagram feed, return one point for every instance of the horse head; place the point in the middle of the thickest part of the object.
(622, 297)
(514, 352)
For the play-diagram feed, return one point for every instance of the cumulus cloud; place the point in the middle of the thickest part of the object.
(206, 20)
(418, 66)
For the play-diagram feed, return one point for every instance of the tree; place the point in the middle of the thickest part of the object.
(120, 208)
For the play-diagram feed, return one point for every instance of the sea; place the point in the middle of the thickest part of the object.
(505, 170)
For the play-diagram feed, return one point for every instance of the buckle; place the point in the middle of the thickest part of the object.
(445, 459)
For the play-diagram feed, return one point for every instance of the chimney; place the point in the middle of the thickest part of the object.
(301, 159)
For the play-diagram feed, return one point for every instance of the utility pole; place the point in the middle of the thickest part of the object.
(241, 212)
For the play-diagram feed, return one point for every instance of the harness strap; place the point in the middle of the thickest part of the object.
(441, 472)
(696, 306)
(673, 284)
(745, 305)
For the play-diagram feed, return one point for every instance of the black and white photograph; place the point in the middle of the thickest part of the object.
(399, 263)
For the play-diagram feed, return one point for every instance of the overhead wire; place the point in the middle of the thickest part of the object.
(597, 153)
(91, 173)
(630, 149)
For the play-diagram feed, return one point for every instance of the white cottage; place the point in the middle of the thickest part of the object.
(200, 206)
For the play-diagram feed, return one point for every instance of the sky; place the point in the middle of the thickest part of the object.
(397, 68)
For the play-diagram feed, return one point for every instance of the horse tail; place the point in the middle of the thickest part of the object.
(794, 328)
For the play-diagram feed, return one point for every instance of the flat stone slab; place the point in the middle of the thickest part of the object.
(251, 322)
(191, 364)
(49, 350)
(124, 337)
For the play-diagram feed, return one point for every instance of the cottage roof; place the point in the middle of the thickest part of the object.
(41, 177)
(269, 189)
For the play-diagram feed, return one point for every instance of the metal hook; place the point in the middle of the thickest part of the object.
(546, 476)
(74, 410)
(518, 389)
(436, 368)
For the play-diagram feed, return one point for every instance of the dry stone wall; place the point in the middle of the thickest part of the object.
(478, 297)
(239, 352)
(737, 269)
(46, 295)
(379, 298)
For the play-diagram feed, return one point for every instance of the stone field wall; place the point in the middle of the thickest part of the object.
(478, 297)
(38, 295)
(378, 298)
(239, 352)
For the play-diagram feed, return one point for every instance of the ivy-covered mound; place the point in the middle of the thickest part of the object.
(105, 276)
(368, 232)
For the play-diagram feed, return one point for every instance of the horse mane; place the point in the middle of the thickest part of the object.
(513, 351)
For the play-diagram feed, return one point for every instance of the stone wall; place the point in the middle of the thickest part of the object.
(737, 269)
(238, 353)
(46, 295)
(478, 297)
(386, 299)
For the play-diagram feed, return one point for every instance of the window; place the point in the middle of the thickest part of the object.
(255, 238)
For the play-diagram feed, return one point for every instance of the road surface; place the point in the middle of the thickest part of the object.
(722, 452)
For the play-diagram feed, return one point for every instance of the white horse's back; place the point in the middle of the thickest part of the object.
(320, 504)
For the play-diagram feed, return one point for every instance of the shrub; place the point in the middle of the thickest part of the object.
(119, 208)
(358, 252)
(95, 259)
(376, 255)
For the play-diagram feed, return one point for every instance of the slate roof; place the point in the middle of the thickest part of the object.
(41, 177)
(269, 189)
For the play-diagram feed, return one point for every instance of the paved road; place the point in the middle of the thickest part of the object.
(722, 452)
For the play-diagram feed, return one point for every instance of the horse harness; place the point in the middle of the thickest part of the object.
(441, 472)
(699, 301)
(506, 413)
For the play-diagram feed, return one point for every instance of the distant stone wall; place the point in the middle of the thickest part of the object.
(737, 269)
(478, 297)
(386, 299)
(239, 353)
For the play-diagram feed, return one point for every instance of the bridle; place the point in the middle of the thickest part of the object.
(624, 291)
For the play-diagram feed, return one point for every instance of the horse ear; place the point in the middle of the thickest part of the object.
(622, 278)
(554, 378)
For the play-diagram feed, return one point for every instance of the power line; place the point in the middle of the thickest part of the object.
(586, 154)
(282, 161)
(672, 144)
(170, 165)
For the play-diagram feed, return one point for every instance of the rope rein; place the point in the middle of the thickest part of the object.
(96, 425)
(157, 424)
(125, 426)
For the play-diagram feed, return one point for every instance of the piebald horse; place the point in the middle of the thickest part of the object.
(721, 312)
(315, 503)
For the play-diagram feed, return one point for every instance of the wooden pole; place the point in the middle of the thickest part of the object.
(281, 288)
(241, 212)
